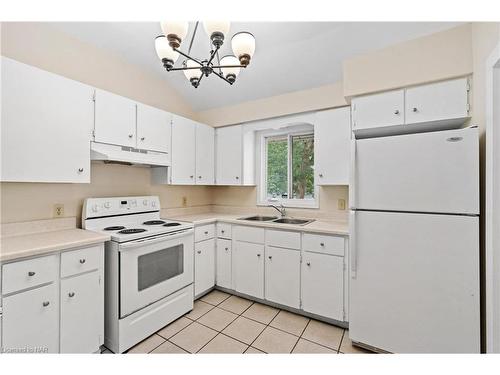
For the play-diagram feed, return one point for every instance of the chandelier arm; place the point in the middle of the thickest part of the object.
(199, 79)
(218, 63)
(229, 66)
(212, 55)
(192, 38)
(187, 56)
(184, 68)
(221, 77)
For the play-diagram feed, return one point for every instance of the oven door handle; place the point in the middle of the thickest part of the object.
(156, 239)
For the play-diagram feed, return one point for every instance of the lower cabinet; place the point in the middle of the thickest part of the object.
(323, 285)
(82, 313)
(248, 267)
(282, 281)
(223, 263)
(31, 321)
(204, 266)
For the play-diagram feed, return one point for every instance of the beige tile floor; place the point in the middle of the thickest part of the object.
(223, 323)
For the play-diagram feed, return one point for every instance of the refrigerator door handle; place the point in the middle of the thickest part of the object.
(352, 244)
(352, 176)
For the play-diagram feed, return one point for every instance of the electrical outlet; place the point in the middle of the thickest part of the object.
(184, 201)
(58, 210)
(341, 204)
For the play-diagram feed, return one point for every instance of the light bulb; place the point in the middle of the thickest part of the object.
(192, 75)
(243, 44)
(217, 30)
(175, 31)
(165, 53)
(230, 73)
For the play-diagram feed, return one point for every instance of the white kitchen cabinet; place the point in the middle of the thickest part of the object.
(440, 101)
(46, 127)
(183, 151)
(378, 110)
(154, 128)
(282, 276)
(205, 154)
(332, 137)
(323, 285)
(31, 320)
(115, 119)
(223, 263)
(248, 268)
(82, 313)
(204, 266)
(229, 155)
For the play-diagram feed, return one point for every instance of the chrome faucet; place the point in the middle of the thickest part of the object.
(281, 209)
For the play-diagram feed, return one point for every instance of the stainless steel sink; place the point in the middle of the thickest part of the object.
(259, 218)
(288, 220)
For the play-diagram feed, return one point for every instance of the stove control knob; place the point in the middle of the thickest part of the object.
(145, 202)
(95, 208)
(107, 205)
(133, 203)
(153, 203)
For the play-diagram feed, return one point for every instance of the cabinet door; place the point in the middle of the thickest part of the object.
(332, 136)
(183, 151)
(115, 119)
(283, 276)
(379, 110)
(154, 128)
(439, 101)
(224, 267)
(82, 313)
(31, 320)
(204, 266)
(229, 155)
(248, 267)
(205, 157)
(46, 128)
(323, 285)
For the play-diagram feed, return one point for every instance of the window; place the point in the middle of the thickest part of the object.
(287, 165)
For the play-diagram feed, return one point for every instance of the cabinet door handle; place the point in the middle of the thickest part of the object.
(80, 170)
(82, 261)
(396, 112)
(258, 255)
(46, 303)
(199, 176)
(222, 231)
(227, 249)
(31, 273)
(322, 244)
(321, 175)
(191, 176)
(415, 109)
(308, 264)
(237, 177)
(270, 257)
(71, 294)
(199, 251)
(206, 232)
(143, 138)
(130, 135)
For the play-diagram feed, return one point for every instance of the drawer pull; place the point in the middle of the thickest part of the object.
(46, 303)
(322, 244)
(31, 273)
(82, 261)
(199, 251)
(227, 249)
(71, 294)
(308, 264)
(206, 232)
(222, 231)
(258, 255)
(270, 257)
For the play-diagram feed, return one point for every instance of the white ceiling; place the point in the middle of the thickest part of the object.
(289, 56)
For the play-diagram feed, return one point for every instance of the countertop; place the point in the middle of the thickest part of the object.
(318, 226)
(35, 244)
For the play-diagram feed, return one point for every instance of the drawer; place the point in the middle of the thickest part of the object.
(29, 273)
(81, 260)
(204, 232)
(248, 234)
(223, 230)
(281, 238)
(323, 244)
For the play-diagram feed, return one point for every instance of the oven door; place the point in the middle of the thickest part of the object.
(151, 269)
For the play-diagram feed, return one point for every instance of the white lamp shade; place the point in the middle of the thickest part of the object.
(179, 28)
(163, 49)
(216, 26)
(192, 73)
(230, 60)
(243, 44)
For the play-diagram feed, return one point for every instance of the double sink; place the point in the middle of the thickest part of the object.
(275, 219)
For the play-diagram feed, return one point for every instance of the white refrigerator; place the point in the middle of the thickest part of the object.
(414, 219)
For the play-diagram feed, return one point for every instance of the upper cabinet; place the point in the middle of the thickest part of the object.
(115, 119)
(46, 126)
(437, 106)
(192, 152)
(235, 156)
(153, 128)
(332, 136)
(124, 122)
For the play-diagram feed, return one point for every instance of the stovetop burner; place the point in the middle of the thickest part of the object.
(171, 224)
(116, 227)
(132, 231)
(153, 222)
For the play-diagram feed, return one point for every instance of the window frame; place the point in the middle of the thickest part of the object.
(288, 133)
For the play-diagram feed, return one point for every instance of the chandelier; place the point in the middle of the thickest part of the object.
(227, 68)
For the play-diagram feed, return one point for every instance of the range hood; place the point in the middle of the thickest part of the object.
(128, 155)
